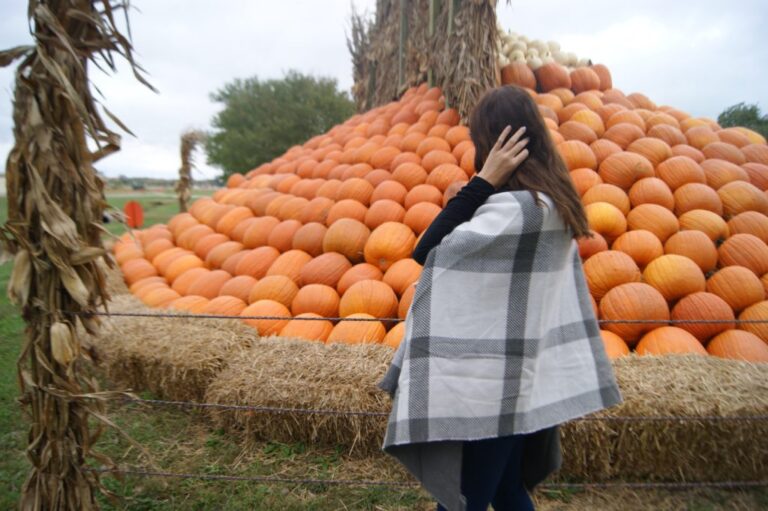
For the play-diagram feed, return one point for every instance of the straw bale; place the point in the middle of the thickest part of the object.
(172, 358)
(297, 374)
(686, 386)
(282, 372)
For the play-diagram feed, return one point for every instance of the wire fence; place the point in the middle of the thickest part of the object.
(182, 315)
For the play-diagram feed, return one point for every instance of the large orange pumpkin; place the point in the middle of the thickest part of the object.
(745, 250)
(707, 222)
(290, 264)
(267, 308)
(738, 286)
(667, 340)
(651, 190)
(347, 237)
(654, 218)
(388, 243)
(756, 312)
(608, 269)
(309, 238)
(402, 274)
(615, 347)
(308, 326)
(317, 298)
(224, 306)
(740, 196)
(358, 332)
(703, 306)
(692, 196)
(624, 169)
(739, 345)
(577, 155)
(371, 297)
(696, 246)
(641, 245)
(361, 271)
(279, 288)
(674, 276)
(633, 301)
(606, 219)
(325, 269)
(239, 287)
(256, 262)
(750, 222)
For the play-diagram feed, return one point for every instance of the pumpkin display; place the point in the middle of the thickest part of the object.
(328, 228)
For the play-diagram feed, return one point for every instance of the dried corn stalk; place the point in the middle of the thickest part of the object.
(55, 203)
(189, 141)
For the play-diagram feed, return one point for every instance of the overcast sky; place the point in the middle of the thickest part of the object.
(700, 56)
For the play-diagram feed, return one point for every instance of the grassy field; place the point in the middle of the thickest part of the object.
(179, 441)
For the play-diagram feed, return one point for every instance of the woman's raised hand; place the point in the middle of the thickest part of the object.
(504, 158)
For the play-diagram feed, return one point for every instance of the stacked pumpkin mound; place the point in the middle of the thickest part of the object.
(678, 206)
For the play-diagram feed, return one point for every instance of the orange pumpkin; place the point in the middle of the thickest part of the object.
(239, 287)
(346, 208)
(362, 271)
(703, 306)
(278, 288)
(739, 345)
(606, 219)
(740, 196)
(584, 79)
(317, 298)
(180, 265)
(384, 210)
(654, 218)
(654, 150)
(576, 155)
(290, 264)
(608, 269)
(420, 216)
(721, 172)
(208, 243)
(390, 190)
(667, 340)
(358, 332)
(724, 151)
(739, 287)
(160, 297)
(633, 301)
(623, 133)
(750, 222)
(268, 308)
(409, 175)
(518, 73)
(257, 235)
(584, 179)
(667, 133)
(282, 235)
(371, 297)
(256, 262)
(696, 246)
(552, 76)
(309, 238)
(700, 136)
(603, 148)
(624, 169)
(611, 194)
(758, 174)
(224, 306)
(707, 222)
(693, 196)
(192, 304)
(615, 347)
(347, 237)
(209, 285)
(641, 245)
(314, 329)
(574, 130)
(388, 243)
(402, 274)
(674, 276)
(395, 336)
(325, 269)
(745, 250)
(756, 312)
(232, 218)
(222, 252)
(589, 246)
(651, 190)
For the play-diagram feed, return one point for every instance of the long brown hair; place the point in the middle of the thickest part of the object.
(543, 170)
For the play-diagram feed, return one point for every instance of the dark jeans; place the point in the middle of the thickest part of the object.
(491, 473)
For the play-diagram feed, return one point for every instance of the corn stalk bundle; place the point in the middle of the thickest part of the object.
(450, 43)
(189, 142)
(55, 203)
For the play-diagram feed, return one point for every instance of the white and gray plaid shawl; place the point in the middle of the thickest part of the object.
(501, 338)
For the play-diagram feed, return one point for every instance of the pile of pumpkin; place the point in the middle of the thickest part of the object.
(677, 204)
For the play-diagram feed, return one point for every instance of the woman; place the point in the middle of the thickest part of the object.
(501, 343)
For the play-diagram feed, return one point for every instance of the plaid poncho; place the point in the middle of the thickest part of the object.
(501, 338)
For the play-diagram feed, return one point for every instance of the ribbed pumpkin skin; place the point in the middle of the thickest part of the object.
(652, 190)
(739, 196)
(271, 308)
(693, 196)
(308, 330)
(324, 269)
(677, 171)
(160, 297)
(389, 243)
(606, 270)
(402, 274)
(705, 221)
(654, 218)
(258, 234)
(137, 269)
(192, 304)
(361, 271)
(384, 210)
(347, 237)
(225, 306)
(703, 306)
(606, 219)
(750, 222)
(739, 345)
(309, 238)
(278, 288)
(395, 336)
(180, 265)
(370, 297)
(239, 287)
(611, 194)
(317, 298)
(624, 169)
(634, 300)
(358, 332)
(745, 250)
(256, 262)
(210, 284)
(642, 246)
(589, 246)
(696, 246)
(756, 312)
(420, 216)
(674, 276)
(577, 155)
(667, 340)
(290, 264)
(615, 347)
(738, 286)
(518, 73)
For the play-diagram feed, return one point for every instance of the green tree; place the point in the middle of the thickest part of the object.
(748, 116)
(261, 119)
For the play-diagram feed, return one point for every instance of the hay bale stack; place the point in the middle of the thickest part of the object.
(300, 374)
(279, 373)
(685, 386)
(173, 358)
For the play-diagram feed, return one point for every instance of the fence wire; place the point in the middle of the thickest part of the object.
(687, 485)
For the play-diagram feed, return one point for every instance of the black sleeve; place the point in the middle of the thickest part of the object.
(458, 210)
